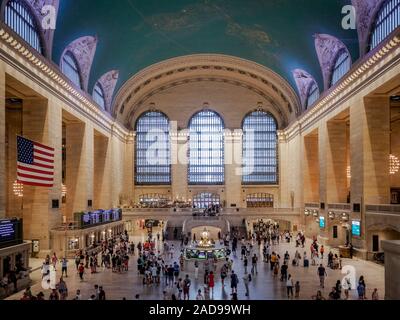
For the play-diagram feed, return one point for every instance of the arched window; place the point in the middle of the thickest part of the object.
(98, 96)
(70, 68)
(387, 21)
(313, 95)
(206, 149)
(152, 162)
(260, 145)
(342, 66)
(18, 17)
(205, 200)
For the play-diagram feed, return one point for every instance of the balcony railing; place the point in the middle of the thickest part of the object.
(339, 206)
(383, 209)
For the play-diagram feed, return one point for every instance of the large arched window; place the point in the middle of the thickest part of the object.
(98, 96)
(206, 149)
(152, 162)
(260, 145)
(69, 66)
(313, 95)
(341, 67)
(18, 17)
(387, 21)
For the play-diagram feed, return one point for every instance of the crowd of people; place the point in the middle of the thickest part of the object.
(163, 266)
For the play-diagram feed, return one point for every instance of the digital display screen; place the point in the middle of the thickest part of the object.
(89, 219)
(7, 231)
(322, 222)
(356, 228)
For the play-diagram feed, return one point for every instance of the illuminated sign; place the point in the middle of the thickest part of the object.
(356, 228)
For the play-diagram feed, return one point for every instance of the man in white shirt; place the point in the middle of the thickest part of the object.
(199, 296)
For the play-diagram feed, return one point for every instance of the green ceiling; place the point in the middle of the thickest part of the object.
(134, 34)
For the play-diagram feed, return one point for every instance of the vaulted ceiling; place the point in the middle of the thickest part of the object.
(134, 34)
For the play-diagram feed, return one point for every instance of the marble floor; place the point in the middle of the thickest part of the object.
(263, 287)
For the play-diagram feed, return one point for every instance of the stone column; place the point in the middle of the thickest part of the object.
(311, 169)
(3, 175)
(129, 168)
(392, 267)
(369, 156)
(179, 164)
(42, 122)
(233, 168)
(102, 173)
(79, 167)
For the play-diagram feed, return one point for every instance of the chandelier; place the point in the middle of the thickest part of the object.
(18, 189)
(394, 164)
(63, 190)
(348, 172)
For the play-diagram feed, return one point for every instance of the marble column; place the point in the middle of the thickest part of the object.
(233, 169)
(369, 156)
(129, 169)
(311, 169)
(179, 165)
(102, 173)
(3, 176)
(42, 122)
(79, 167)
(392, 267)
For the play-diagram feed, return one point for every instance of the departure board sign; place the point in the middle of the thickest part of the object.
(99, 217)
(10, 232)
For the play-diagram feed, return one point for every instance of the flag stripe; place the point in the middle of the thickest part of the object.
(32, 169)
(28, 176)
(43, 159)
(23, 172)
(42, 153)
(43, 165)
(35, 163)
(35, 184)
(43, 146)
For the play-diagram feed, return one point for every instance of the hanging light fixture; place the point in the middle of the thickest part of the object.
(348, 172)
(63, 190)
(394, 164)
(18, 189)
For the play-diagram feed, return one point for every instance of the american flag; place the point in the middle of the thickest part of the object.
(35, 165)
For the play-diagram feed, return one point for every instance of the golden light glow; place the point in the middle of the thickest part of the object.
(18, 189)
(63, 190)
(348, 172)
(394, 164)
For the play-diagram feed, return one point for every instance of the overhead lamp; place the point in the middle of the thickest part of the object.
(315, 213)
(345, 216)
(18, 189)
(63, 190)
(394, 164)
(331, 215)
(306, 212)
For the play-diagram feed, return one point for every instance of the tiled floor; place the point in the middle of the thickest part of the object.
(263, 287)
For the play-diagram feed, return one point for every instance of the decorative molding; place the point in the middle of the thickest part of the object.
(362, 74)
(303, 80)
(83, 49)
(108, 82)
(230, 68)
(48, 34)
(328, 48)
(34, 66)
(366, 12)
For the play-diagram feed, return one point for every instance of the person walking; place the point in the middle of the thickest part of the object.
(289, 286)
(254, 264)
(64, 266)
(224, 273)
(246, 282)
(81, 271)
(196, 270)
(234, 282)
(297, 289)
(186, 287)
(199, 295)
(322, 275)
(211, 283)
(245, 263)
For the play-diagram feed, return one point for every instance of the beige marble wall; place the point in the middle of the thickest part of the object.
(233, 171)
(102, 173)
(179, 168)
(392, 267)
(42, 123)
(311, 169)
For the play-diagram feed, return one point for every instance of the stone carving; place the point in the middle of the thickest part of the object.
(328, 48)
(366, 11)
(303, 81)
(47, 35)
(83, 49)
(108, 82)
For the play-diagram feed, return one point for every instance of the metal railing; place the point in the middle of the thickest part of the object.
(392, 209)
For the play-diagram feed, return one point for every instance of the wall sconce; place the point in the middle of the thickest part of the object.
(345, 217)
(315, 213)
(331, 215)
(18, 189)
(306, 212)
